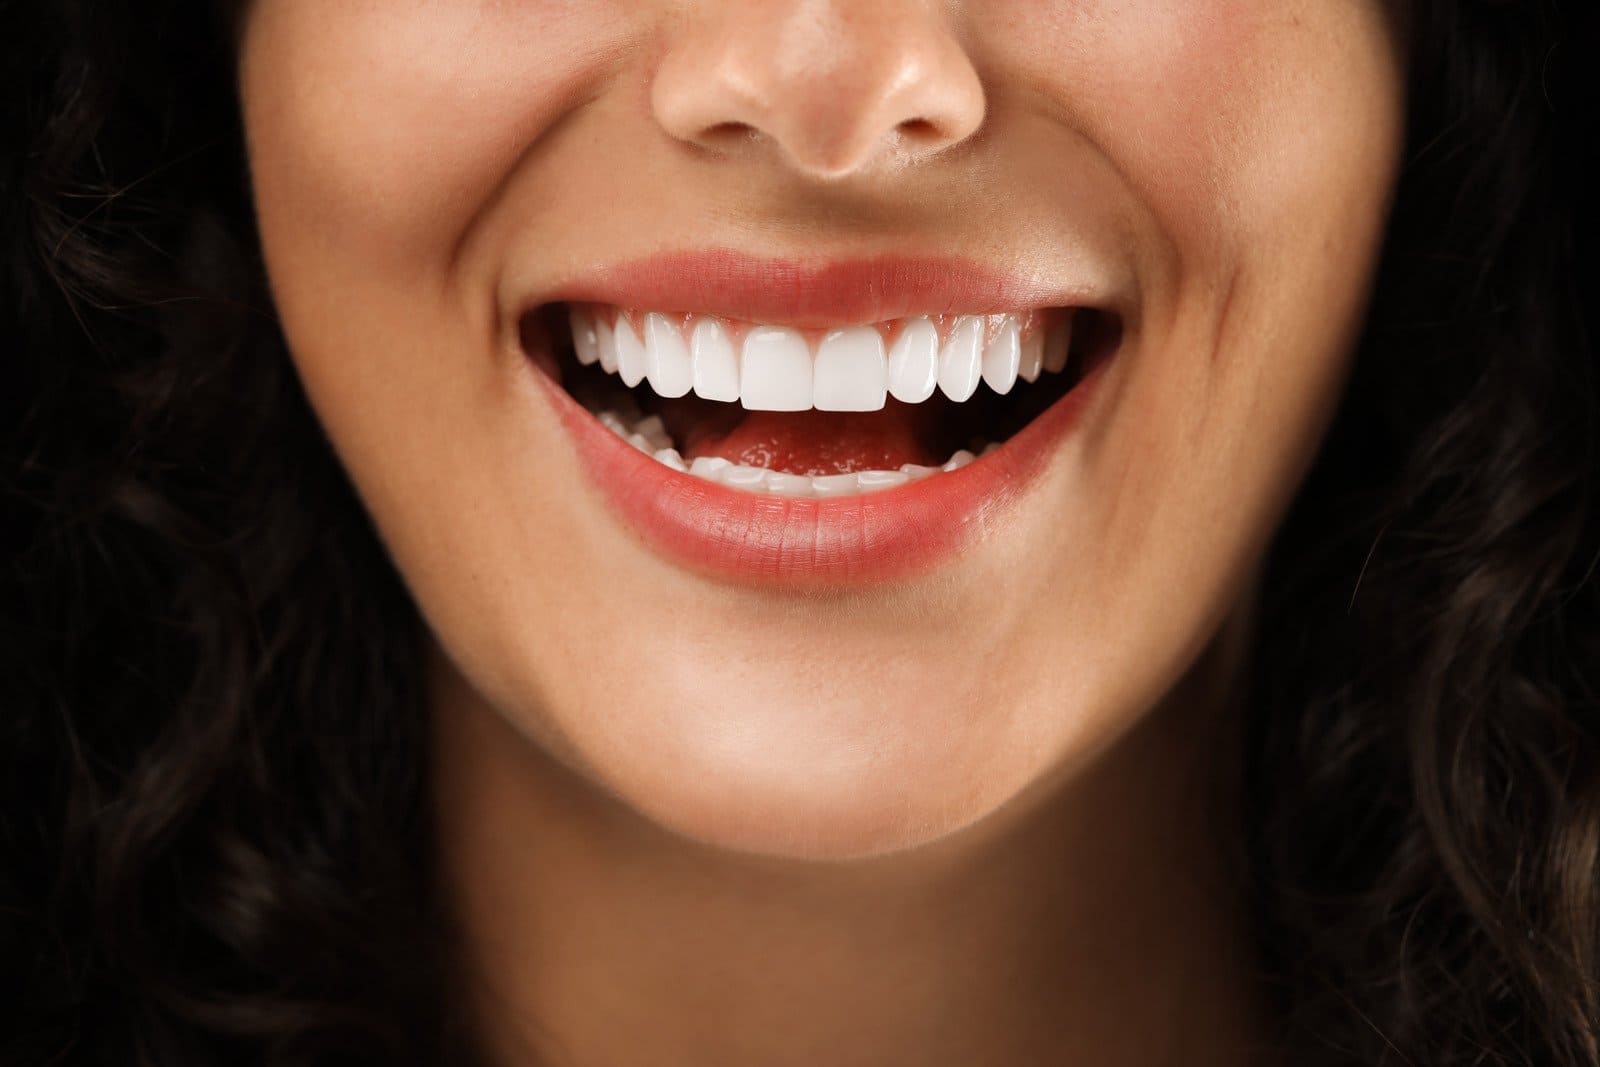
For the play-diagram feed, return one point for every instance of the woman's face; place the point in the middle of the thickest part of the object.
(1181, 199)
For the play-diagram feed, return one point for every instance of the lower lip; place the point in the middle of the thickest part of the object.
(752, 539)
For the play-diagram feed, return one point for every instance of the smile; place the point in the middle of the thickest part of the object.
(801, 451)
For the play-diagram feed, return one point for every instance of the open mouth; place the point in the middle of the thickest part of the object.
(809, 412)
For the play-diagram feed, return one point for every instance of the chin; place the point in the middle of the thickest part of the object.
(763, 795)
(767, 763)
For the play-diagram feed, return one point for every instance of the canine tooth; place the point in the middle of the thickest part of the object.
(783, 483)
(666, 357)
(915, 471)
(670, 457)
(742, 477)
(584, 341)
(638, 440)
(630, 353)
(834, 485)
(914, 362)
(851, 372)
(775, 371)
(990, 447)
(1056, 345)
(961, 360)
(872, 481)
(959, 460)
(715, 365)
(709, 467)
(606, 341)
(1032, 356)
(611, 421)
(1002, 356)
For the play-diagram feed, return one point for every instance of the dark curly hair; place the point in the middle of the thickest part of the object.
(214, 830)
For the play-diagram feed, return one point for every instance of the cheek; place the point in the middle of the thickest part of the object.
(1270, 150)
(1259, 141)
(377, 129)
(1230, 119)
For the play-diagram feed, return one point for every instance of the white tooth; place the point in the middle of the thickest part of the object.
(654, 431)
(666, 357)
(915, 471)
(775, 373)
(1032, 360)
(990, 447)
(852, 373)
(914, 362)
(637, 440)
(605, 339)
(962, 359)
(670, 457)
(959, 460)
(835, 485)
(715, 365)
(1056, 344)
(752, 478)
(1002, 356)
(584, 340)
(610, 421)
(630, 353)
(871, 481)
(783, 483)
(709, 467)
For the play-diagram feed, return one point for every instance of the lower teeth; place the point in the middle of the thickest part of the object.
(649, 435)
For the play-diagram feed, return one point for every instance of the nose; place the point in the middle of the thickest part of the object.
(837, 87)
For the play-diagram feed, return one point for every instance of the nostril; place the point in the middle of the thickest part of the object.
(919, 133)
(728, 133)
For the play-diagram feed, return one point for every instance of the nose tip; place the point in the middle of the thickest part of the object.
(835, 87)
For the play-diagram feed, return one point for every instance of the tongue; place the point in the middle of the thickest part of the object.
(807, 442)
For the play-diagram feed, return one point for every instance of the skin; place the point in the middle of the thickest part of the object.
(985, 815)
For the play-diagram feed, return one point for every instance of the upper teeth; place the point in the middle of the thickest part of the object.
(851, 368)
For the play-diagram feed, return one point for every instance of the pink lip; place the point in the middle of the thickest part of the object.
(819, 292)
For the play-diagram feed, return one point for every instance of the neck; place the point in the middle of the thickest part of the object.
(1097, 919)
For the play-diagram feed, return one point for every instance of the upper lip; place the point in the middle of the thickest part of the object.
(820, 291)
